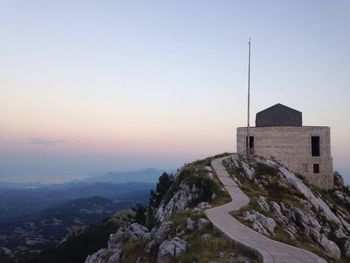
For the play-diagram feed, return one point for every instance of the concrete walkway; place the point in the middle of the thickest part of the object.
(267, 249)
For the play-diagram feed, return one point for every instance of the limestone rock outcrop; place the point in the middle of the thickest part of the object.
(296, 207)
(171, 248)
(262, 224)
(105, 256)
(282, 204)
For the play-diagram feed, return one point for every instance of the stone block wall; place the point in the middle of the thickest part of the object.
(292, 145)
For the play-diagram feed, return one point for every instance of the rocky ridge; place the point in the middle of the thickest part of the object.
(283, 206)
(286, 208)
(175, 227)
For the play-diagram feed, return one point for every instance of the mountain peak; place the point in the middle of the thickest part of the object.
(277, 204)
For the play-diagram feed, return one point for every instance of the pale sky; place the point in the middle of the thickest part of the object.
(93, 86)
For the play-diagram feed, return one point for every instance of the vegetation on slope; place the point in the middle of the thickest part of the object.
(269, 192)
(205, 245)
(175, 213)
(81, 243)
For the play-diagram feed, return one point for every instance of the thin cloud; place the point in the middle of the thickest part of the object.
(45, 141)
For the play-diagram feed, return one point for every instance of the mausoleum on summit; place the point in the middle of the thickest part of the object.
(279, 133)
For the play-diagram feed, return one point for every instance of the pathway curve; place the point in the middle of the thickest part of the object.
(268, 250)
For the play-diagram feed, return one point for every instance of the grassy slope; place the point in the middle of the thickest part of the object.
(76, 248)
(216, 248)
(276, 190)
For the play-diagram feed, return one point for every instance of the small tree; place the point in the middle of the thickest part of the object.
(164, 183)
(140, 214)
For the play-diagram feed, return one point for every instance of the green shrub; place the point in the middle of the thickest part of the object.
(140, 214)
(263, 169)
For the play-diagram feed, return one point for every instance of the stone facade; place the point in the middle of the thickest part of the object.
(293, 146)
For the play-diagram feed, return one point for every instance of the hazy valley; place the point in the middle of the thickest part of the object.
(38, 216)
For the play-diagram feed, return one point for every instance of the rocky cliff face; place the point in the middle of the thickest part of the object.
(286, 208)
(175, 227)
(283, 206)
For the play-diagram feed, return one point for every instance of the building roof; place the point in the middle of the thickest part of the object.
(278, 115)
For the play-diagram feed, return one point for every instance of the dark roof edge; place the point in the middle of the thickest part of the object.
(261, 127)
(279, 104)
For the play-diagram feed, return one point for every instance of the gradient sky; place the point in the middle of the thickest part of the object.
(93, 86)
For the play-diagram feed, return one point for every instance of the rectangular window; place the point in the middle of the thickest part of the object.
(251, 144)
(315, 145)
(316, 168)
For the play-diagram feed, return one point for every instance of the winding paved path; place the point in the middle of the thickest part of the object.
(268, 250)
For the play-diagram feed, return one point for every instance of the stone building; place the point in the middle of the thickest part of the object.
(305, 150)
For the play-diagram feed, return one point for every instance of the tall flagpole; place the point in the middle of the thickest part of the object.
(248, 113)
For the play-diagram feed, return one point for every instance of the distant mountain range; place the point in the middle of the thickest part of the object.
(34, 216)
(283, 207)
(33, 219)
(28, 234)
(21, 202)
(149, 175)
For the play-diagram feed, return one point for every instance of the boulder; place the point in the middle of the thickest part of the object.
(205, 236)
(339, 233)
(190, 224)
(248, 171)
(257, 226)
(203, 206)
(269, 223)
(178, 203)
(262, 202)
(347, 199)
(277, 209)
(318, 203)
(159, 234)
(347, 248)
(339, 194)
(310, 225)
(133, 232)
(203, 223)
(260, 223)
(344, 222)
(105, 256)
(208, 168)
(268, 162)
(115, 238)
(137, 232)
(171, 248)
(331, 248)
(338, 179)
(180, 233)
